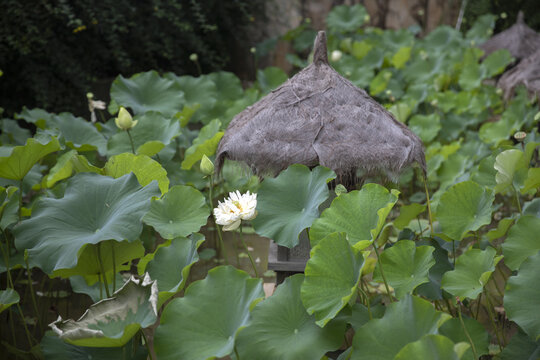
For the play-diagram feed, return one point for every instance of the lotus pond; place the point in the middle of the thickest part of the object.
(110, 249)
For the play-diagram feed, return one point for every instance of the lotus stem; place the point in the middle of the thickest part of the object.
(466, 331)
(5, 253)
(492, 320)
(114, 267)
(220, 236)
(364, 295)
(103, 274)
(428, 204)
(518, 202)
(382, 271)
(150, 355)
(247, 250)
(20, 199)
(131, 142)
(236, 353)
(32, 295)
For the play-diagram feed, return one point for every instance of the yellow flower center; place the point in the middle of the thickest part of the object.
(237, 204)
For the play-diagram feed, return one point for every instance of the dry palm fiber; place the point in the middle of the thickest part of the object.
(527, 72)
(319, 117)
(519, 39)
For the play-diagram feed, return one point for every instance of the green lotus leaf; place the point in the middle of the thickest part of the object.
(401, 57)
(496, 62)
(472, 73)
(16, 162)
(203, 324)
(404, 322)
(425, 126)
(435, 347)
(479, 336)
(147, 91)
(152, 128)
(145, 169)
(37, 116)
(346, 18)
(280, 328)
(78, 133)
(169, 265)
(522, 241)
(532, 207)
(532, 181)
(9, 206)
(379, 82)
(522, 297)
(464, 207)
(114, 321)
(407, 213)
(180, 212)
(471, 274)
(521, 346)
(66, 165)
(485, 173)
(8, 297)
(511, 170)
(96, 290)
(270, 78)
(432, 290)
(197, 90)
(290, 203)
(94, 208)
(360, 214)
(501, 229)
(405, 266)
(361, 314)
(114, 255)
(228, 92)
(53, 347)
(332, 275)
(204, 144)
(12, 133)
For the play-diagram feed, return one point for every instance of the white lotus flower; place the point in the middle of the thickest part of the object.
(234, 209)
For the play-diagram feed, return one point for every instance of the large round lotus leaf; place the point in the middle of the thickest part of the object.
(479, 336)
(345, 18)
(16, 162)
(496, 62)
(511, 170)
(152, 129)
(9, 209)
(405, 266)
(96, 290)
(407, 213)
(169, 265)
(522, 297)
(180, 212)
(65, 166)
(94, 208)
(332, 275)
(532, 207)
(11, 133)
(204, 144)
(199, 92)
(404, 322)
(271, 78)
(289, 203)
(78, 133)
(522, 241)
(521, 346)
(360, 214)
(145, 169)
(432, 290)
(203, 324)
(53, 347)
(471, 274)
(281, 329)
(8, 297)
(147, 91)
(361, 314)
(464, 207)
(112, 322)
(425, 126)
(433, 347)
(114, 256)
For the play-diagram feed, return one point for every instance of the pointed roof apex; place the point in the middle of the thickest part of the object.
(320, 54)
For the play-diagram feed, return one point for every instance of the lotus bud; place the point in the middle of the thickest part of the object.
(434, 102)
(207, 167)
(124, 120)
(503, 15)
(253, 50)
(336, 55)
(366, 18)
(340, 189)
(388, 92)
(193, 57)
(421, 12)
(89, 96)
(499, 91)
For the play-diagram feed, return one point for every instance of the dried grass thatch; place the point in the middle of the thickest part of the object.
(527, 73)
(319, 117)
(519, 39)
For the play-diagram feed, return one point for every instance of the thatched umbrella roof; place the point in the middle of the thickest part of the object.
(527, 73)
(519, 39)
(319, 117)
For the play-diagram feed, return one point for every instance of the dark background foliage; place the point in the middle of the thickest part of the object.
(54, 51)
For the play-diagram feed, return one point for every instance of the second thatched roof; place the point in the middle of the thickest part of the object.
(527, 73)
(519, 39)
(319, 117)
